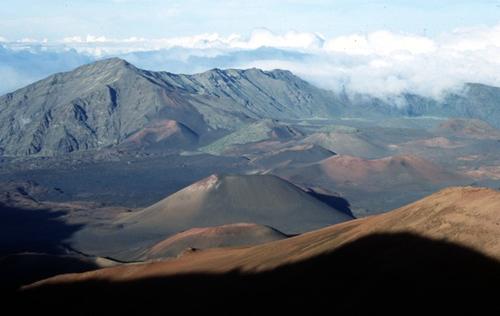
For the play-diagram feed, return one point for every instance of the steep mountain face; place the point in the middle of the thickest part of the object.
(104, 103)
(474, 100)
(260, 94)
(94, 106)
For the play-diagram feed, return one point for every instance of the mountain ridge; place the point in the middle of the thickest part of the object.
(101, 104)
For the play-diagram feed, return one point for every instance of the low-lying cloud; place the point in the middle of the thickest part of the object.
(379, 63)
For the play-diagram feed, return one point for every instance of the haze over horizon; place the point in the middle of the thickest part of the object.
(382, 48)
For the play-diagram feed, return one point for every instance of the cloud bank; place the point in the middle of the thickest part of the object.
(379, 63)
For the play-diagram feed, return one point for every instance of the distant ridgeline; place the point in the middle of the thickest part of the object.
(111, 102)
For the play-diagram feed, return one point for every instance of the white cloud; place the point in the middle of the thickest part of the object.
(473, 39)
(258, 38)
(384, 63)
(380, 43)
(380, 63)
(292, 39)
(88, 39)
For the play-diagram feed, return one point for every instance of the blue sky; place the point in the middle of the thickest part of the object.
(377, 47)
(56, 19)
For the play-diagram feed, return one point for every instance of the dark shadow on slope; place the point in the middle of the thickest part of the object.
(336, 202)
(391, 273)
(33, 230)
(22, 269)
(39, 231)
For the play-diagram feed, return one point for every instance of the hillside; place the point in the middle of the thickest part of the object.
(465, 215)
(351, 143)
(254, 132)
(104, 103)
(468, 128)
(162, 135)
(231, 235)
(370, 174)
(109, 101)
(430, 252)
(213, 201)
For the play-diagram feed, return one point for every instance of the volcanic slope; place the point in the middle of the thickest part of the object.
(231, 235)
(468, 128)
(430, 245)
(465, 215)
(348, 142)
(398, 168)
(401, 179)
(343, 170)
(162, 135)
(216, 200)
(265, 129)
(103, 103)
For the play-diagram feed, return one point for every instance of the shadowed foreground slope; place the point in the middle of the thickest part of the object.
(19, 226)
(439, 252)
(26, 268)
(381, 272)
(34, 237)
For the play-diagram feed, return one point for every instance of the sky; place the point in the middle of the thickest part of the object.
(376, 47)
(56, 19)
